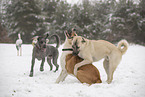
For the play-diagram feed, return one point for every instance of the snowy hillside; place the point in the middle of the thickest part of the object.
(129, 78)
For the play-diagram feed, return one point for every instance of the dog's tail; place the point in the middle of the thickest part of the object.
(57, 39)
(122, 46)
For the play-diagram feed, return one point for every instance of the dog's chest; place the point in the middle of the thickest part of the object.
(40, 55)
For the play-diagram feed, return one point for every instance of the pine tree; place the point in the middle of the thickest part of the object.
(23, 17)
(125, 21)
(141, 34)
(57, 14)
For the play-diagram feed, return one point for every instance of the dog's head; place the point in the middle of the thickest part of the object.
(69, 35)
(34, 40)
(41, 42)
(78, 43)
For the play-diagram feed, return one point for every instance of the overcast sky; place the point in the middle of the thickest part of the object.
(79, 1)
(73, 1)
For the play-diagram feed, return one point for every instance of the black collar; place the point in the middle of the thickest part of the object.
(67, 49)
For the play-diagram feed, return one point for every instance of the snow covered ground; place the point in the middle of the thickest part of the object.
(129, 78)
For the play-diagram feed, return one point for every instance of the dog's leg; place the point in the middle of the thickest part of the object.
(62, 76)
(17, 52)
(55, 63)
(20, 51)
(49, 62)
(84, 62)
(114, 60)
(108, 70)
(63, 73)
(32, 66)
(106, 65)
(110, 74)
(42, 65)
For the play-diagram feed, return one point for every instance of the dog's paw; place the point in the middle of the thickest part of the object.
(56, 68)
(109, 81)
(57, 81)
(55, 71)
(31, 74)
(75, 72)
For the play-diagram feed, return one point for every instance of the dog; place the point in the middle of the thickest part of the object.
(86, 74)
(42, 50)
(95, 50)
(19, 45)
(34, 40)
(67, 44)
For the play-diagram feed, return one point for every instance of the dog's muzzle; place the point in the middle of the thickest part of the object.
(75, 53)
(75, 50)
(44, 46)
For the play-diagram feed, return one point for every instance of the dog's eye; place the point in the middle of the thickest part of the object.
(83, 40)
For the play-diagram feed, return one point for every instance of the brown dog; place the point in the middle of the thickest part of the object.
(86, 74)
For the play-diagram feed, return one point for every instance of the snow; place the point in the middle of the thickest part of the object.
(129, 78)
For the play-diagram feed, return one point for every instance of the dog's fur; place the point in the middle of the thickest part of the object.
(42, 50)
(19, 45)
(86, 74)
(67, 44)
(92, 51)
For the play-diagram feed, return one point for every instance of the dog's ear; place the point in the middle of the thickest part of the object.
(39, 37)
(73, 29)
(46, 36)
(66, 34)
(73, 32)
(83, 40)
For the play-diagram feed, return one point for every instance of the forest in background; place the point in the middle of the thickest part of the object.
(109, 20)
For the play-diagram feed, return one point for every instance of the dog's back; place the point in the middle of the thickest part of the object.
(51, 50)
(86, 74)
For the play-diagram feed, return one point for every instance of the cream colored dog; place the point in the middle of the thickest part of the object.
(92, 51)
(67, 44)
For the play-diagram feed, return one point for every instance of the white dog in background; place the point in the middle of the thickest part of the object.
(19, 45)
(92, 51)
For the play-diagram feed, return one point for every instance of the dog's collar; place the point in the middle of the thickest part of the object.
(67, 49)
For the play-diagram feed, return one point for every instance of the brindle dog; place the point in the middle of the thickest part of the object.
(42, 50)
